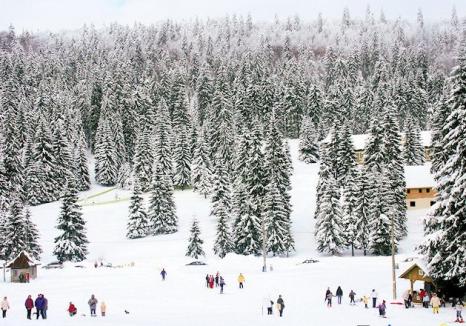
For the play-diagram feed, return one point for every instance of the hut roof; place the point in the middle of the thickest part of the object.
(418, 265)
(23, 260)
(419, 176)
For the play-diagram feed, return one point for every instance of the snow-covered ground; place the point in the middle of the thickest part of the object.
(184, 299)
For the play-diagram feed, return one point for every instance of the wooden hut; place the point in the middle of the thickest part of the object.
(23, 268)
(416, 273)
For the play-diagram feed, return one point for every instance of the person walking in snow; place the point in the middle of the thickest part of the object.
(217, 279)
(339, 294)
(435, 303)
(211, 281)
(268, 303)
(374, 298)
(39, 303)
(365, 299)
(46, 307)
(382, 309)
(29, 304)
(406, 298)
(93, 305)
(459, 308)
(352, 294)
(163, 273)
(426, 300)
(72, 310)
(4, 305)
(103, 308)
(328, 297)
(280, 305)
(207, 280)
(222, 284)
(241, 280)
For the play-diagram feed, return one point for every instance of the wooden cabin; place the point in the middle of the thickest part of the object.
(416, 273)
(23, 268)
(420, 187)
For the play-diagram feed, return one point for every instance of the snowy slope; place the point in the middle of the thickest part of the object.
(183, 298)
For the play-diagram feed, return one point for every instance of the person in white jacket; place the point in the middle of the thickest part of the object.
(374, 298)
(4, 306)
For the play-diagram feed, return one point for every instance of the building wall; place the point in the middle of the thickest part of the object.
(420, 198)
(359, 153)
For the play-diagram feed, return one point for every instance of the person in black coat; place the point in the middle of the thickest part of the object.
(280, 305)
(339, 294)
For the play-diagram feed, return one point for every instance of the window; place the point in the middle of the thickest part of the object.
(432, 203)
(408, 191)
(412, 204)
(420, 190)
(427, 189)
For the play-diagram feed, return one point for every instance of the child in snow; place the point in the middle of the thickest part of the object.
(328, 297)
(241, 280)
(269, 306)
(365, 299)
(103, 309)
(72, 310)
(459, 308)
(5, 305)
(92, 305)
(435, 302)
(382, 309)
(351, 295)
(217, 279)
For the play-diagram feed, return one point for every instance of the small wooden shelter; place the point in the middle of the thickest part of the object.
(417, 273)
(22, 268)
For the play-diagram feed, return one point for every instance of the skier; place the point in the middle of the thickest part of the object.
(459, 308)
(374, 298)
(280, 305)
(92, 305)
(382, 309)
(72, 309)
(103, 308)
(241, 280)
(435, 302)
(163, 273)
(4, 305)
(351, 296)
(29, 304)
(40, 305)
(339, 294)
(222, 284)
(328, 297)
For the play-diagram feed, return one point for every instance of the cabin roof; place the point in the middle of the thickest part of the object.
(419, 176)
(23, 260)
(418, 265)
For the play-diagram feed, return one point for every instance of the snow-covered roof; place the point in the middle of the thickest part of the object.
(419, 176)
(26, 257)
(359, 141)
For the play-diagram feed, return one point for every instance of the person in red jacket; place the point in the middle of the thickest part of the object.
(29, 304)
(72, 309)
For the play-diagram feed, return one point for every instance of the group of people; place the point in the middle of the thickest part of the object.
(217, 281)
(41, 304)
(92, 302)
(268, 303)
(352, 296)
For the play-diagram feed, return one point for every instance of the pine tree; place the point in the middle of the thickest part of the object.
(195, 242)
(71, 243)
(143, 160)
(163, 143)
(82, 177)
(413, 152)
(14, 230)
(308, 146)
(105, 155)
(221, 188)
(138, 223)
(31, 235)
(329, 226)
(201, 178)
(350, 213)
(63, 157)
(445, 235)
(182, 159)
(162, 210)
(364, 201)
(373, 154)
(223, 243)
(346, 159)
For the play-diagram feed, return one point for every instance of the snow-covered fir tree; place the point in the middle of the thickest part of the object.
(223, 242)
(445, 235)
(329, 231)
(71, 242)
(162, 210)
(364, 195)
(413, 151)
(81, 166)
(221, 193)
(373, 153)
(350, 197)
(308, 142)
(143, 159)
(195, 242)
(14, 230)
(182, 159)
(138, 223)
(105, 155)
(31, 235)
(201, 173)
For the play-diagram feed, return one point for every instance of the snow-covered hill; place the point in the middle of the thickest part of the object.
(183, 298)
